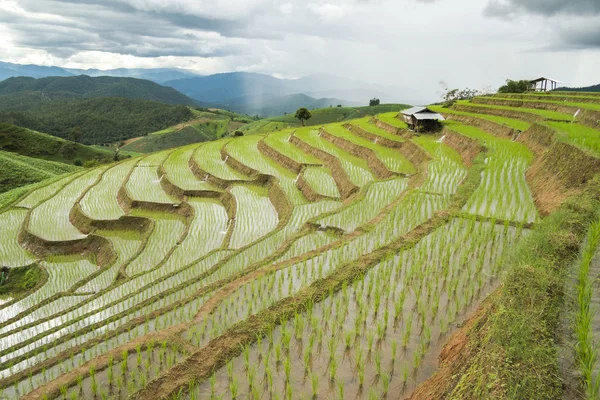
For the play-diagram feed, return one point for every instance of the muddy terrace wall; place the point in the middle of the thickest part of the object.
(405, 133)
(375, 165)
(278, 157)
(559, 169)
(524, 116)
(96, 246)
(587, 117)
(357, 130)
(345, 186)
(485, 125)
(467, 148)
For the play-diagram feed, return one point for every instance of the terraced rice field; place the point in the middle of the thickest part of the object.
(307, 263)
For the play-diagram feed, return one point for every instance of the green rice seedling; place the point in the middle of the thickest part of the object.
(385, 383)
(230, 370)
(332, 369)
(314, 381)
(233, 387)
(287, 367)
(377, 362)
(213, 383)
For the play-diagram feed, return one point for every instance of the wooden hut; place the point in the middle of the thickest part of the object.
(543, 84)
(421, 119)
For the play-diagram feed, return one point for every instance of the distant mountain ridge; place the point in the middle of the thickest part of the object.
(593, 88)
(228, 88)
(158, 75)
(72, 87)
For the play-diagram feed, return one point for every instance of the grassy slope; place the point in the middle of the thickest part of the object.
(17, 170)
(515, 351)
(320, 117)
(101, 119)
(40, 145)
(206, 125)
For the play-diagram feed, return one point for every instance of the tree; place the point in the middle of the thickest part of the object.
(74, 134)
(303, 114)
(374, 102)
(452, 95)
(515, 86)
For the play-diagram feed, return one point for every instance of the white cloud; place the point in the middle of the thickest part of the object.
(400, 43)
(327, 11)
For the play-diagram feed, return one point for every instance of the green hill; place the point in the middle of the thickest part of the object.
(98, 120)
(17, 170)
(22, 93)
(207, 125)
(34, 144)
(319, 117)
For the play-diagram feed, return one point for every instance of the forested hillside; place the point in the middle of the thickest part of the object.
(98, 120)
(22, 93)
(34, 144)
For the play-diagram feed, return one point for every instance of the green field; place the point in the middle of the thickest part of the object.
(205, 126)
(305, 262)
(320, 116)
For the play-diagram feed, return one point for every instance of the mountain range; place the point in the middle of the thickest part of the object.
(243, 92)
(24, 92)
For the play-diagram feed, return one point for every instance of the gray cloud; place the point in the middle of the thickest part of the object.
(584, 35)
(574, 23)
(510, 8)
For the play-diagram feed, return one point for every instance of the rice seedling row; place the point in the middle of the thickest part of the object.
(376, 336)
(208, 158)
(168, 228)
(503, 192)
(100, 201)
(37, 196)
(356, 168)
(391, 158)
(510, 122)
(144, 185)
(280, 141)
(446, 171)
(365, 124)
(542, 113)
(125, 245)
(245, 150)
(63, 273)
(255, 216)
(177, 170)
(11, 253)
(377, 196)
(321, 180)
(59, 207)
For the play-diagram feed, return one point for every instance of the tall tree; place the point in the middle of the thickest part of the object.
(303, 114)
(515, 86)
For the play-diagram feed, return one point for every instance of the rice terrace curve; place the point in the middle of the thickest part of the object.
(357, 259)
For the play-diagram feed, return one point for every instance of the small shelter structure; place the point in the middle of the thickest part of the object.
(421, 118)
(543, 84)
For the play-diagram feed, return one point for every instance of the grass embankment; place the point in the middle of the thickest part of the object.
(586, 345)
(512, 351)
(320, 117)
(17, 170)
(19, 280)
(541, 113)
(34, 144)
(578, 135)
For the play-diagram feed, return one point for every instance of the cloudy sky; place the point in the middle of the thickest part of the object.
(402, 43)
